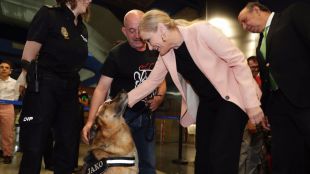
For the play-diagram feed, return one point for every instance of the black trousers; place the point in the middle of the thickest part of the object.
(55, 106)
(219, 130)
(290, 131)
(80, 127)
(49, 150)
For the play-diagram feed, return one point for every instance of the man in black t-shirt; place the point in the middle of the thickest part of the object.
(127, 65)
(128, 68)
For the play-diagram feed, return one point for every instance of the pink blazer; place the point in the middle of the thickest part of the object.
(218, 59)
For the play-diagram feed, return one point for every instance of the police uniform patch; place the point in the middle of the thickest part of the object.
(64, 32)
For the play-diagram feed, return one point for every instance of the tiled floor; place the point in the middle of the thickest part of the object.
(166, 153)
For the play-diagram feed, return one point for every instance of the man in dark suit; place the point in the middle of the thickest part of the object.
(284, 57)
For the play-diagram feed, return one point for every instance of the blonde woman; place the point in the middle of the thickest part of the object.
(201, 58)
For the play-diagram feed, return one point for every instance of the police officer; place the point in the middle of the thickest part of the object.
(55, 51)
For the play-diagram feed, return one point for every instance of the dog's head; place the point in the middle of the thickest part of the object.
(110, 113)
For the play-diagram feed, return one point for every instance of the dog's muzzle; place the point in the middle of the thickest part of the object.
(94, 166)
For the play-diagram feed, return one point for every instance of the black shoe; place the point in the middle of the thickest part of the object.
(1, 153)
(7, 159)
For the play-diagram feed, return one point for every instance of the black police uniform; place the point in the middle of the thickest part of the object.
(55, 103)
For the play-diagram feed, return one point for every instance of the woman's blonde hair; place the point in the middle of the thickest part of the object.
(152, 18)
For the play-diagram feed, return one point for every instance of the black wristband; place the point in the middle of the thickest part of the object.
(25, 64)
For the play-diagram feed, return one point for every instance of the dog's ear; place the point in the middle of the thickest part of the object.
(119, 111)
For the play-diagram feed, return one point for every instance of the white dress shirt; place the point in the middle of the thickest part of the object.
(9, 89)
(269, 20)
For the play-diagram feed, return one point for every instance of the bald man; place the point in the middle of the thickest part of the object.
(128, 64)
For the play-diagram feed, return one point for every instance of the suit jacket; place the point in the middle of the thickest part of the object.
(217, 58)
(288, 55)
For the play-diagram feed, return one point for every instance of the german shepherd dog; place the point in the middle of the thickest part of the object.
(112, 149)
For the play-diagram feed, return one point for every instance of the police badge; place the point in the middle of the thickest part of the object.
(64, 32)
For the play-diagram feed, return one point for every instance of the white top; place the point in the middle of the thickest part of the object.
(9, 89)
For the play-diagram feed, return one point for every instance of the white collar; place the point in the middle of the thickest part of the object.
(7, 80)
(269, 19)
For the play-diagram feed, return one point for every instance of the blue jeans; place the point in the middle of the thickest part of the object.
(143, 129)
